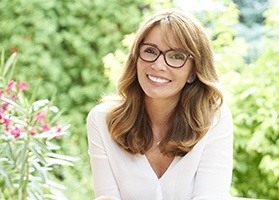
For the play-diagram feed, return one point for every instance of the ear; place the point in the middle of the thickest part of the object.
(192, 76)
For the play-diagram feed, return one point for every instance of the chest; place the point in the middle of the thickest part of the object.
(159, 162)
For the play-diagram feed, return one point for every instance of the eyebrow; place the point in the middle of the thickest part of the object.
(154, 45)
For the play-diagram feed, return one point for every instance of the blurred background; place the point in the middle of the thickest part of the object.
(77, 49)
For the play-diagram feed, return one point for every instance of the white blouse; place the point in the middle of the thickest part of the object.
(202, 174)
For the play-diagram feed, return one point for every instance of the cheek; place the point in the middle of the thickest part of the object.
(141, 66)
(182, 77)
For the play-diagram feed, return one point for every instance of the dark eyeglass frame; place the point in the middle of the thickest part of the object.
(188, 55)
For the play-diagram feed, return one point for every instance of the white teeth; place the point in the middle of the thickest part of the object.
(158, 80)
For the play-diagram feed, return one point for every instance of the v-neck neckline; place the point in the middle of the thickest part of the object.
(153, 173)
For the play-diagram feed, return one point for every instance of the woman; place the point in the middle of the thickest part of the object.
(168, 134)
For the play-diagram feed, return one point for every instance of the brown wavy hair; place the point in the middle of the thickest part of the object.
(128, 121)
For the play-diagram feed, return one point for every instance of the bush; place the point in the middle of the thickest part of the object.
(28, 131)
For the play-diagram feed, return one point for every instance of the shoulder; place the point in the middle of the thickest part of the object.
(100, 110)
(222, 122)
(223, 112)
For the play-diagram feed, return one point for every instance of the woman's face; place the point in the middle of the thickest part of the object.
(157, 79)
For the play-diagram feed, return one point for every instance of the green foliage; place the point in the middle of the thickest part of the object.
(256, 120)
(28, 152)
(62, 43)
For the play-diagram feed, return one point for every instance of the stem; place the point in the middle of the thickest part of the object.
(24, 195)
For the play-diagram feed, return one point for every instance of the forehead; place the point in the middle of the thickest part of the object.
(162, 38)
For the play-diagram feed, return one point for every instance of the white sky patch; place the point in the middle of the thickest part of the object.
(198, 5)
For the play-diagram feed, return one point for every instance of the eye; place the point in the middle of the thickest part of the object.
(151, 50)
(175, 55)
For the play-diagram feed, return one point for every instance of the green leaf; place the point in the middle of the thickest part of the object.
(38, 155)
(35, 91)
(57, 194)
(54, 161)
(2, 60)
(22, 157)
(51, 133)
(40, 144)
(32, 195)
(56, 185)
(36, 183)
(9, 151)
(9, 63)
(56, 117)
(7, 178)
(40, 170)
(63, 157)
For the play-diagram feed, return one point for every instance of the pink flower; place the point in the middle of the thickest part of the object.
(14, 97)
(32, 133)
(46, 127)
(4, 120)
(40, 116)
(2, 117)
(7, 123)
(10, 86)
(16, 132)
(22, 86)
(4, 106)
(58, 128)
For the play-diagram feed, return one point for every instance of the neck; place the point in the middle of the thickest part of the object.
(159, 111)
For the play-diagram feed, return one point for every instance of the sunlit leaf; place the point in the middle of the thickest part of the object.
(38, 155)
(62, 157)
(32, 195)
(54, 161)
(36, 183)
(40, 170)
(9, 63)
(7, 178)
(40, 144)
(9, 151)
(35, 91)
(56, 185)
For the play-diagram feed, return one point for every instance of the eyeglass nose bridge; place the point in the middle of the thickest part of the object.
(164, 56)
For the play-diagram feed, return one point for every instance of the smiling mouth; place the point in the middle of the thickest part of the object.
(158, 80)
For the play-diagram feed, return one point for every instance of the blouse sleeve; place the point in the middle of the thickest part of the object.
(103, 178)
(213, 177)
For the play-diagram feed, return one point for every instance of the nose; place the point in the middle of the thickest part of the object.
(160, 63)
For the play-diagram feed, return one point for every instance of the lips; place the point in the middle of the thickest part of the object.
(158, 79)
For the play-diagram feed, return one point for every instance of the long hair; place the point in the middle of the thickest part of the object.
(128, 121)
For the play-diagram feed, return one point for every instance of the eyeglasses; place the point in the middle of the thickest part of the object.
(173, 58)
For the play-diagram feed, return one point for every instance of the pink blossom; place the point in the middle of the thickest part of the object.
(7, 123)
(58, 128)
(2, 117)
(16, 132)
(4, 106)
(32, 133)
(10, 86)
(4, 120)
(14, 97)
(40, 116)
(46, 127)
(22, 86)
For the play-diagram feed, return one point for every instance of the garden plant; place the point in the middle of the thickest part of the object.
(29, 129)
